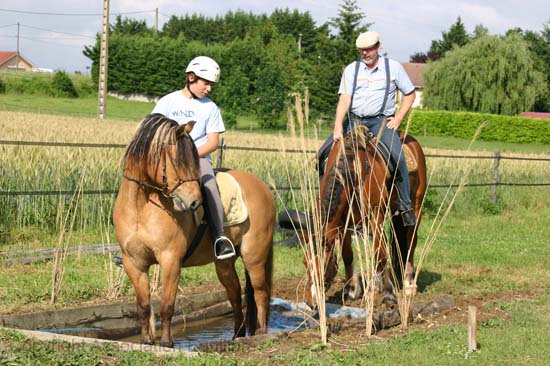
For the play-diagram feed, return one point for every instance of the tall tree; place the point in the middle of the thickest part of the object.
(348, 24)
(491, 74)
(130, 26)
(456, 36)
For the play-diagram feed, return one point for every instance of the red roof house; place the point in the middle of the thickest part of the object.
(10, 60)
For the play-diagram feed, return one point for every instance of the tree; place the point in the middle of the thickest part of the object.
(348, 26)
(539, 45)
(491, 74)
(456, 36)
(129, 26)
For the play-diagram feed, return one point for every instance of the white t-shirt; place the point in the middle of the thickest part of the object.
(182, 110)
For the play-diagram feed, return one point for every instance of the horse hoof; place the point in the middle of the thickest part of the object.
(167, 344)
(389, 300)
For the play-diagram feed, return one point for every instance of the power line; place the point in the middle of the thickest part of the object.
(52, 31)
(73, 14)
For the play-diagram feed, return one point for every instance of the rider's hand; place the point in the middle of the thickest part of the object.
(393, 122)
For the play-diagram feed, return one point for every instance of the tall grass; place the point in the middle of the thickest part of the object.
(55, 169)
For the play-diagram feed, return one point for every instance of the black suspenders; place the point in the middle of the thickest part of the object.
(387, 65)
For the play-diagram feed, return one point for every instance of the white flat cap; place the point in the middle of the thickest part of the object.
(367, 39)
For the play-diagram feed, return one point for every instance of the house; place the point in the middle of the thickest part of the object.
(10, 60)
(415, 70)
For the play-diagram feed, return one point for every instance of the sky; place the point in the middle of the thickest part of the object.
(53, 33)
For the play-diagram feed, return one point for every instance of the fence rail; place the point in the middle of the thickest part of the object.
(496, 157)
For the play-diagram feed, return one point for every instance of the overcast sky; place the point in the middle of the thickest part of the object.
(52, 33)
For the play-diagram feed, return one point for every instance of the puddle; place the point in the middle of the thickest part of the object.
(187, 336)
(285, 316)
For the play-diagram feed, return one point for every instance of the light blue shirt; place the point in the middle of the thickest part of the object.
(182, 110)
(371, 87)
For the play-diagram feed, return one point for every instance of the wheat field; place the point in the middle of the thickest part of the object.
(70, 169)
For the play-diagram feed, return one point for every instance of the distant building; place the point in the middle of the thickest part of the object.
(536, 115)
(9, 60)
(415, 70)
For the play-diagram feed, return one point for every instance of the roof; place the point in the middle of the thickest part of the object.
(5, 56)
(536, 115)
(415, 70)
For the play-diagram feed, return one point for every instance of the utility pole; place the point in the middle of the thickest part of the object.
(103, 62)
(17, 53)
(156, 20)
(300, 43)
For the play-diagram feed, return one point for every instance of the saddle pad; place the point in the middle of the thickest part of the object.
(412, 164)
(234, 209)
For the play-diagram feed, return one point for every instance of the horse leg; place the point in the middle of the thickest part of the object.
(230, 280)
(389, 299)
(259, 285)
(353, 288)
(140, 280)
(170, 265)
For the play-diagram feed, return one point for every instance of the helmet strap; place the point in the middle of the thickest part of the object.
(188, 83)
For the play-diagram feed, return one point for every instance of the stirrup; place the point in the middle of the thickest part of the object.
(229, 253)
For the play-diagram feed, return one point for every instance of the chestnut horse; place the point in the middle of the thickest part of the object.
(156, 216)
(356, 189)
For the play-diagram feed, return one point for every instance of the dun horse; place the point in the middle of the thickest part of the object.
(156, 216)
(356, 189)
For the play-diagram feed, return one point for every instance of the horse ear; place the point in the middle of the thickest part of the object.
(185, 128)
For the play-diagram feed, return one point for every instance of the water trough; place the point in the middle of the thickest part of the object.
(201, 320)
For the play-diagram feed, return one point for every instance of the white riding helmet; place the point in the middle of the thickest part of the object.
(205, 68)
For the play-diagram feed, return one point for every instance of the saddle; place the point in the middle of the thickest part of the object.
(234, 208)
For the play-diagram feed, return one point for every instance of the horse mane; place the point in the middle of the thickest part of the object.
(153, 135)
(342, 173)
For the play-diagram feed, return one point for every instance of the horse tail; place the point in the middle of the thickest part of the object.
(251, 307)
(152, 327)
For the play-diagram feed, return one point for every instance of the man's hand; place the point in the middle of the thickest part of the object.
(393, 122)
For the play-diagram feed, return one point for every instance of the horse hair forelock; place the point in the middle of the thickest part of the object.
(150, 140)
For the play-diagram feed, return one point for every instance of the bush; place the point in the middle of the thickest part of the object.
(464, 124)
(2, 87)
(62, 85)
(229, 119)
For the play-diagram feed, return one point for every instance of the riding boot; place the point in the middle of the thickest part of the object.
(223, 247)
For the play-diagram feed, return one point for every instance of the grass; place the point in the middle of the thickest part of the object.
(481, 250)
(82, 107)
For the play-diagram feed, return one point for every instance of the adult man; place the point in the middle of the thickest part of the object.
(192, 104)
(367, 93)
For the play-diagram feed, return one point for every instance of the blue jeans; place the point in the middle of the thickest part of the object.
(390, 138)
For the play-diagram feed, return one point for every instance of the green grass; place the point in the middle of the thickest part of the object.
(453, 143)
(81, 107)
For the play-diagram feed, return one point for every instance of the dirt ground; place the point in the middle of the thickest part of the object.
(349, 334)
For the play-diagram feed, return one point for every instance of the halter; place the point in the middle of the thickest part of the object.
(164, 190)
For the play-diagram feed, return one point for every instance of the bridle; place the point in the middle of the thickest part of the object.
(164, 190)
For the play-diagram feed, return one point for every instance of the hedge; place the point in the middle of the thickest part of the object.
(464, 124)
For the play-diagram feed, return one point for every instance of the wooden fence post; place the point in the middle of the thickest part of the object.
(221, 148)
(472, 328)
(496, 178)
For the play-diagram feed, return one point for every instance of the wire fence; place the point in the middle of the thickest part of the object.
(222, 148)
